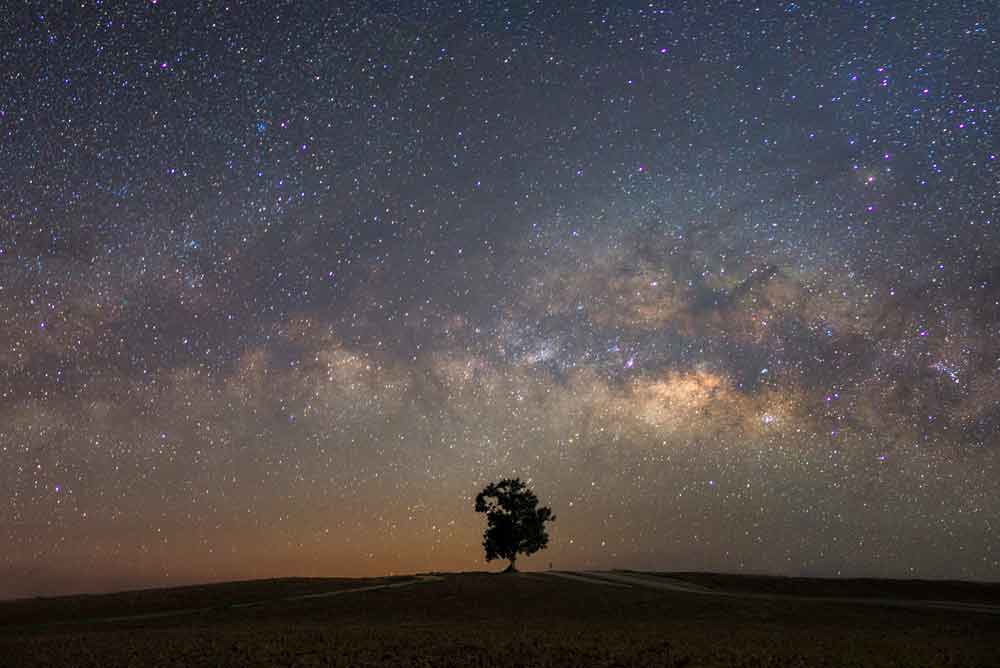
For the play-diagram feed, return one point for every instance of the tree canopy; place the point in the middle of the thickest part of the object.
(514, 522)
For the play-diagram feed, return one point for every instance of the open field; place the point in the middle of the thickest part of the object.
(940, 590)
(529, 619)
(154, 602)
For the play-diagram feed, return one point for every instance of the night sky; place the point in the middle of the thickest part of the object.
(284, 284)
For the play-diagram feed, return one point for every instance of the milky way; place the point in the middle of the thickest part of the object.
(284, 284)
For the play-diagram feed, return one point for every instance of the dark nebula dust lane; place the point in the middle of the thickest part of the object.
(284, 284)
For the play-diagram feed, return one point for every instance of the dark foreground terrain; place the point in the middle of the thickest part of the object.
(530, 619)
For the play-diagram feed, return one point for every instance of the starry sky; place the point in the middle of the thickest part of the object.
(284, 284)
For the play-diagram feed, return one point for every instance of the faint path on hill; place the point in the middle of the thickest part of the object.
(338, 592)
(654, 582)
(583, 578)
(639, 580)
(234, 606)
(622, 580)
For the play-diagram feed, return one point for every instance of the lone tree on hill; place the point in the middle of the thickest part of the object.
(514, 522)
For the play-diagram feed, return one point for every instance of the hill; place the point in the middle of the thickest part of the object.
(527, 619)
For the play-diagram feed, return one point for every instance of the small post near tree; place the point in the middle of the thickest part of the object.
(514, 522)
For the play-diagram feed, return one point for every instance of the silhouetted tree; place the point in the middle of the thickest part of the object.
(514, 522)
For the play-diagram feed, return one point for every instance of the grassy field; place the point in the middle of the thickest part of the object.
(499, 620)
(156, 601)
(928, 590)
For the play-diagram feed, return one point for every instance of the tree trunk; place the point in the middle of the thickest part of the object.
(511, 568)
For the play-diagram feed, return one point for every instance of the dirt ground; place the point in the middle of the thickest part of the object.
(492, 620)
